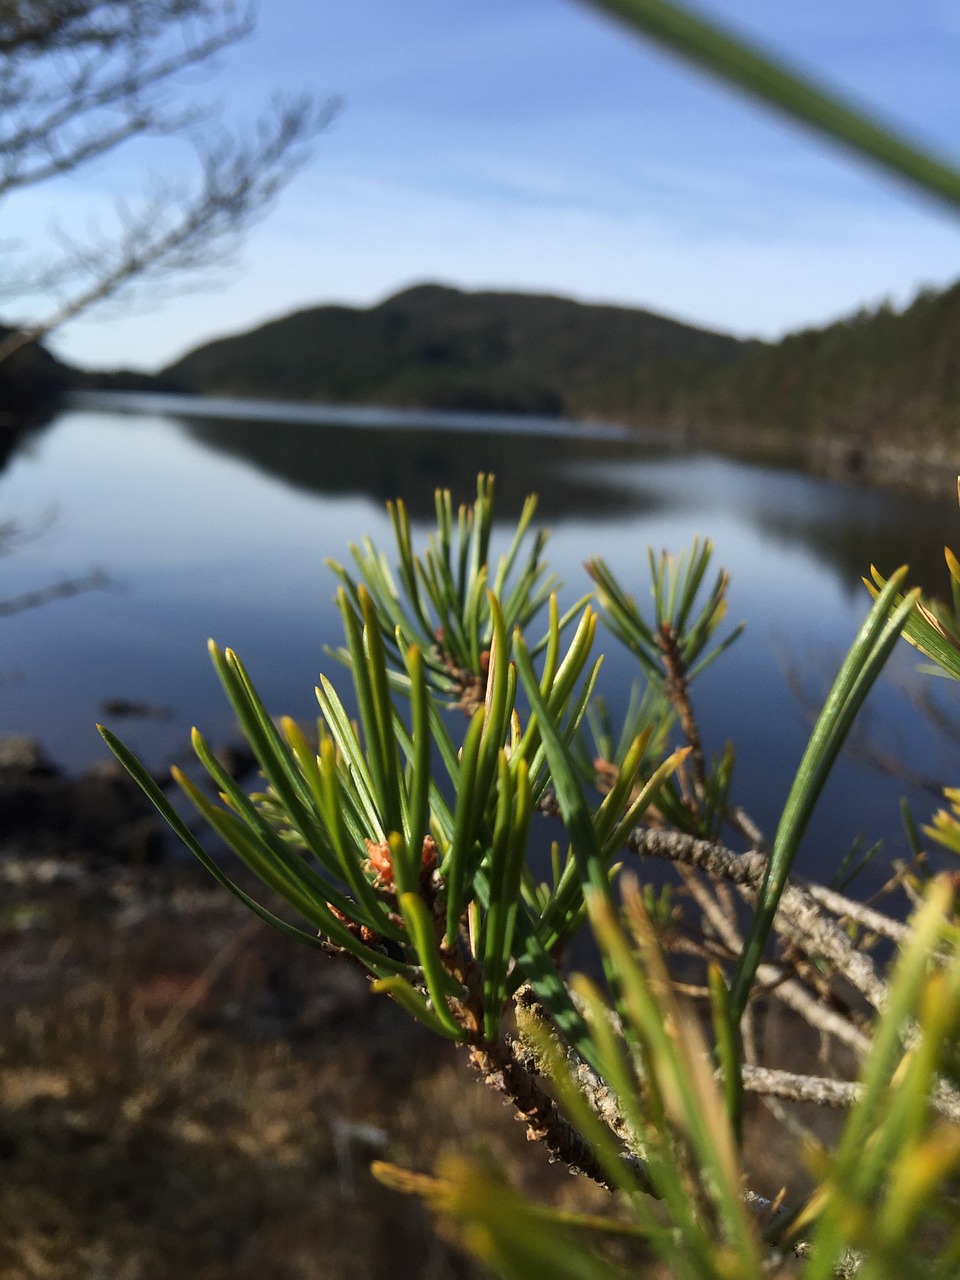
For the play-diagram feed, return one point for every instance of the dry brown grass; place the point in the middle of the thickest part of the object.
(188, 1093)
(183, 1091)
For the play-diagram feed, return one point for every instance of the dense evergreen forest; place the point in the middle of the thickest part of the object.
(875, 373)
(30, 382)
(879, 375)
(439, 347)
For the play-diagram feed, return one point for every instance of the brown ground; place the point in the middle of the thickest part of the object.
(185, 1092)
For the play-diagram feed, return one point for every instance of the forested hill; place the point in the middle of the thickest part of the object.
(30, 380)
(881, 374)
(438, 347)
(878, 376)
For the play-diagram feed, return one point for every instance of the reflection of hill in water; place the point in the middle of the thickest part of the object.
(384, 463)
(848, 529)
(589, 480)
(583, 476)
(19, 437)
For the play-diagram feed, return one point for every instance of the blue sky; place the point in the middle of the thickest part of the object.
(533, 144)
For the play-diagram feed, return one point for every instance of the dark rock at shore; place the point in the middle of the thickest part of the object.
(97, 816)
(22, 755)
(101, 813)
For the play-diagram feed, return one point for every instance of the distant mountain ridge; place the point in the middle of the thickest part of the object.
(433, 346)
(875, 394)
(880, 377)
(30, 380)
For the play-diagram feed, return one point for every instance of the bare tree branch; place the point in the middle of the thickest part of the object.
(82, 78)
(822, 1091)
(799, 919)
(75, 85)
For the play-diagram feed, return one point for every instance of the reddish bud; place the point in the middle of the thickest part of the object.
(380, 862)
(428, 858)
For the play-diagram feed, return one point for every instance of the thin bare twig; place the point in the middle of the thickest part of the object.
(777, 979)
(795, 996)
(95, 581)
(798, 918)
(846, 908)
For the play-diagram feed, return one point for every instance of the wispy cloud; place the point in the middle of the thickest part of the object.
(531, 144)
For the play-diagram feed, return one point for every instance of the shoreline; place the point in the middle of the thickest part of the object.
(928, 467)
(924, 465)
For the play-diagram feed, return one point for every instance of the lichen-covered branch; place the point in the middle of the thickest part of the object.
(498, 1067)
(799, 918)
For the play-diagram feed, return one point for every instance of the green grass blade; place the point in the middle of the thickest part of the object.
(366, 703)
(419, 781)
(349, 857)
(384, 714)
(857, 674)
(727, 1040)
(700, 554)
(508, 848)
(344, 735)
(439, 983)
(920, 631)
(535, 965)
(573, 806)
(268, 746)
(509, 558)
(409, 999)
(287, 862)
(457, 868)
(735, 60)
(408, 573)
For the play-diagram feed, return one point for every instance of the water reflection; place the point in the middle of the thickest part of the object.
(590, 477)
(384, 463)
(584, 473)
(848, 529)
(219, 526)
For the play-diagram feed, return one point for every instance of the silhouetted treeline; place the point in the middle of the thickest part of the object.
(436, 347)
(873, 374)
(878, 375)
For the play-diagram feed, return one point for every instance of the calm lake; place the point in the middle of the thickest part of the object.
(214, 519)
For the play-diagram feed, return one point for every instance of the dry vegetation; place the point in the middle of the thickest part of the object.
(184, 1091)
